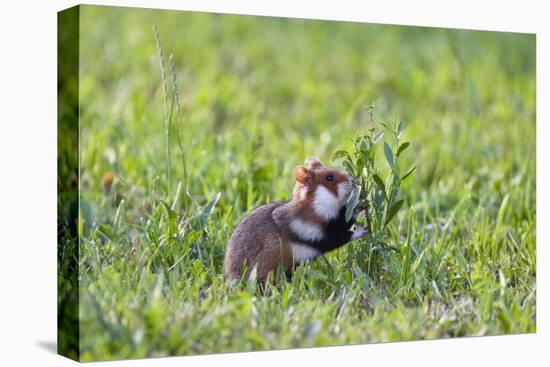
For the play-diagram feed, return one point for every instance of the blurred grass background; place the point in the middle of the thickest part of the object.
(258, 95)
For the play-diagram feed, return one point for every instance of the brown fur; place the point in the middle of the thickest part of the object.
(258, 241)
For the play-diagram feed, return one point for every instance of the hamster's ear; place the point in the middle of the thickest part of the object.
(313, 163)
(303, 175)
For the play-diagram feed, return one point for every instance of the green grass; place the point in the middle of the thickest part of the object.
(257, 96)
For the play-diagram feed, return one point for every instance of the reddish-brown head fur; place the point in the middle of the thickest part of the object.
(325, 189)
(310, 179)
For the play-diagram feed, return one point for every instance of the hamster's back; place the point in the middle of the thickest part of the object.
(259, 242)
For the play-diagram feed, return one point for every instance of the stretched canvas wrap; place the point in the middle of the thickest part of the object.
(192, 218)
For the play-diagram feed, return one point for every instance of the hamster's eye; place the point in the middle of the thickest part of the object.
(330, 177)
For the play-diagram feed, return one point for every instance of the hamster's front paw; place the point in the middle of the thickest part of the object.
(359, 232)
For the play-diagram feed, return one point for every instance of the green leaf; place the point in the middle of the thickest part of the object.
(361, 160)
(349, 167)
(389, 155)
(378, 204)
(379, 182)
(402, 147)
(352, 203)
(418, 261)
(171, 219)
(107, 232)
(504, 320)
(393, 210)
(364, 146)
(171, 214)
(377, 137)
(340, 154)
(501, 212)
(400, 128)
(210, 206)
(408, 173)
(207, 210)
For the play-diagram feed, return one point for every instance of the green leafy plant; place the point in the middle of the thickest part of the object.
(375, 199)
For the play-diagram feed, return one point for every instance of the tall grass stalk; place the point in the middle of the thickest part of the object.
(167, 112)
(179, 128)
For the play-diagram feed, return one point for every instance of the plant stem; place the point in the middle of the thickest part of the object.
(180, 129)
(167, 113)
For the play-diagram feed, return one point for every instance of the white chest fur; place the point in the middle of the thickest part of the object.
(301, 252)
(306, 231)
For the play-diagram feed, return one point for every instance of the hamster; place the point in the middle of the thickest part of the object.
(285, 234)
